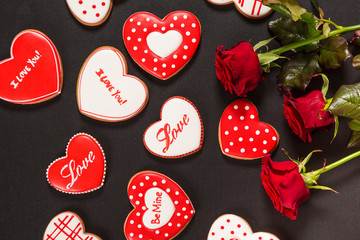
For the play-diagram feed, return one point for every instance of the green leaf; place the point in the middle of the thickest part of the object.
(322, 188)
(326, 29)
(288, 31)
(297, 73)
(336, 129)
(354, 140)
(289, 8)
(346, 102)
(306, 160)
(315, 3)
(356, 62)
(262, 43)
(334, 52)
(354, 125)
(310, 19)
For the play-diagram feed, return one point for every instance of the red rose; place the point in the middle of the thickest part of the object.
(238, 68)
(306, 114)
(284, 185)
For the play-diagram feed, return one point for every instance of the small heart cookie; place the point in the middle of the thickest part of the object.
(83, 168)
(242, 135)
(162, 208)
(67, 226)
(33, 73)
(162, 47)
(232, 227)
(105, 91)
(180, 131)
(90, 12)
(249, 8)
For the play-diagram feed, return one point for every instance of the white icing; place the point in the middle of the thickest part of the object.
(248, 7)
(73, 225)
(102, 101)
(91, 13)
(164, 44)
(230, 227)
(188, 140)
(160, 208)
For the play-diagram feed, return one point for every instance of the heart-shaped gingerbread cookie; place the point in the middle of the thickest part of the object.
(67, 226)
(232, 227)
(83, 168)
(162, 208)
(180, 131)
(249, 8)
(242, 135)
(90, 12)
(105, 91)
(162, 47)
(33, 73)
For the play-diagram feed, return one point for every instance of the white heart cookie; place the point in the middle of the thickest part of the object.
(164, 44)
(90, 12)
(249, 8)
(179, 132)
(66, 226)
(105, 91)
(232, 227)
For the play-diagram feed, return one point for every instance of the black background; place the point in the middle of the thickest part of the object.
(32, 136)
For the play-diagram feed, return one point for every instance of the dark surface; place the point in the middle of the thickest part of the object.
(33, 136)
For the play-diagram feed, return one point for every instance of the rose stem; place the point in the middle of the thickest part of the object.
(314, 39)
(337, 163)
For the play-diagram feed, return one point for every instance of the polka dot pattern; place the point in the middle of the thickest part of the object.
(242, 135)
(231, 227)
(90, 12)
(184, 210)
(181, 21)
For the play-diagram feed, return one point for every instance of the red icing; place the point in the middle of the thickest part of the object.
(175, 61)
(82, 169)
(242, 135)
(33, 73)
(184, 211)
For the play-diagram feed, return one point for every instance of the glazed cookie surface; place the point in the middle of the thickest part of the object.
(242, 135)
(67, 226)
(162, 208)
(232, 227)
(162, 47)
(90, 12)
(249, 8)
(105, 91)
(83, 168)
(33, 74)
(180, 131)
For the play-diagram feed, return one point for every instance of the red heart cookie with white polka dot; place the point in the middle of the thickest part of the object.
(83, 168)
(162, 208)
(232, 227)
(90, 12)
(33, 73)
(162, 47)
(242, 135)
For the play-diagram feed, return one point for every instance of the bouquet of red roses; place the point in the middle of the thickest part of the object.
(317, 44)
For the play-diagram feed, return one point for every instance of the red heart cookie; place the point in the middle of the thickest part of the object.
(162, 208)
(33, 73)
(67, 226)
(162, 47)
(83, 168)
(242, 136)
(232, 227)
